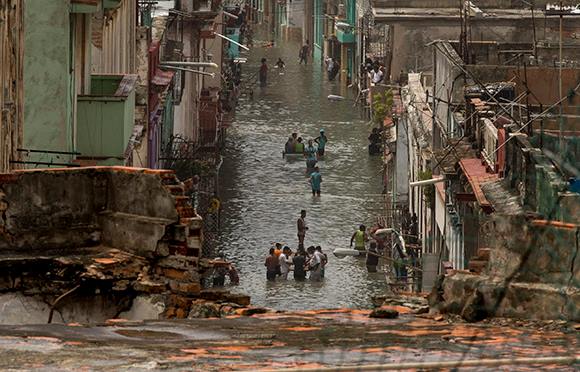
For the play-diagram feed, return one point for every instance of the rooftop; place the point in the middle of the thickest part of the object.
(420, 14)
(504, 200)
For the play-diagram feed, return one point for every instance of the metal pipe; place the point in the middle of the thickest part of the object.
(427, 182)
(189, 64)
(230, 15)
(50, 152)
(59, 298)
(439, 365)
(231, 41)
(187, 70)
(44, 163)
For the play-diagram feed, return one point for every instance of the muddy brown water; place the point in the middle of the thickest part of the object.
(263, 193)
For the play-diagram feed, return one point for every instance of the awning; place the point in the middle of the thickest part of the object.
(162, 78)
(477, 175)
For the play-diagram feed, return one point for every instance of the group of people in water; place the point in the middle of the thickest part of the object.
(303, 263)
(295, 145)
(281, 260)
(313, 151)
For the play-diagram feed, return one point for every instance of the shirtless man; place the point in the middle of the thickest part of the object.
(301, 224)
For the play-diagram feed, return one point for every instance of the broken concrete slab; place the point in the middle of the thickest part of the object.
(384, 313)
(77, 238)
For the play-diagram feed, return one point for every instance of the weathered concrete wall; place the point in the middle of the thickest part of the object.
(111, 234)
(466, 294)
(533, 272)
(71, 208)
(541, 80)
(47, 85)
(410, 37)
(535, 253)
(21, 309)
(48, 211)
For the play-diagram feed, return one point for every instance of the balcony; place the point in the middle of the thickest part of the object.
(345, 35)
(111, 4)
(105, 119)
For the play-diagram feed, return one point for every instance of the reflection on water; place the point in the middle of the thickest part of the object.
(263, 193)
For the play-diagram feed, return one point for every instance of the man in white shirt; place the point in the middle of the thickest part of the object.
(285, 262)
(376, 75)
(315, 264)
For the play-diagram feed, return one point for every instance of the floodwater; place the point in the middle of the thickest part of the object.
(262, 193)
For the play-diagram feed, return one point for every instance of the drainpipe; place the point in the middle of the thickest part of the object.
(427, 182)
(231, 41)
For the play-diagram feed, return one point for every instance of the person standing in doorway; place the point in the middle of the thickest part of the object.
(263, 73)
(271, 266)
(301, 224)
(304, 53)
(315, 181)
(359, 238)
(321, 141)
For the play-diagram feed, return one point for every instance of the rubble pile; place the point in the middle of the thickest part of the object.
(112, 241)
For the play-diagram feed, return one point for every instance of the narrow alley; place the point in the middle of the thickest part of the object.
(158, 210)
(263, 193)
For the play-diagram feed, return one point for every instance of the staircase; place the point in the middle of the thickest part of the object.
(478, 263)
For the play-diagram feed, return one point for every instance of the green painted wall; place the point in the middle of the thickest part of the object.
(47, 80)
(105, 125)
(318, 29)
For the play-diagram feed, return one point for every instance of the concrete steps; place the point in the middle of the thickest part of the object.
(478, 263)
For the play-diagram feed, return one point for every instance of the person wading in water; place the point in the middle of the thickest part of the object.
(301, 224)
(299, 262)
(359, 238)
(271, 266)
(321, 141)
(263, 73)
(304, 52)
(315, 181)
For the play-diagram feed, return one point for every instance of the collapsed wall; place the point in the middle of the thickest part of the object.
(89, 244)
(533, 272)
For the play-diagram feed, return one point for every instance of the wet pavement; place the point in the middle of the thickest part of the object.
(263, 193)
(274, 340)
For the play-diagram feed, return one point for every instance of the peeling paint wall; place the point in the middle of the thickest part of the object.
(47, 79)
(106, 234)
(11, 83)
(116, 54)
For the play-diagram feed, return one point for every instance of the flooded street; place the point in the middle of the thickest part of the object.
(263, 193)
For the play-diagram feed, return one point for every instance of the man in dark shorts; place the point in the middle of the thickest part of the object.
(315, 181)
(271, 266)
(301, 224)
(299, 261)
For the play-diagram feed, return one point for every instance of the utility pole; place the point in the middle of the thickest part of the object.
(561, 118)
